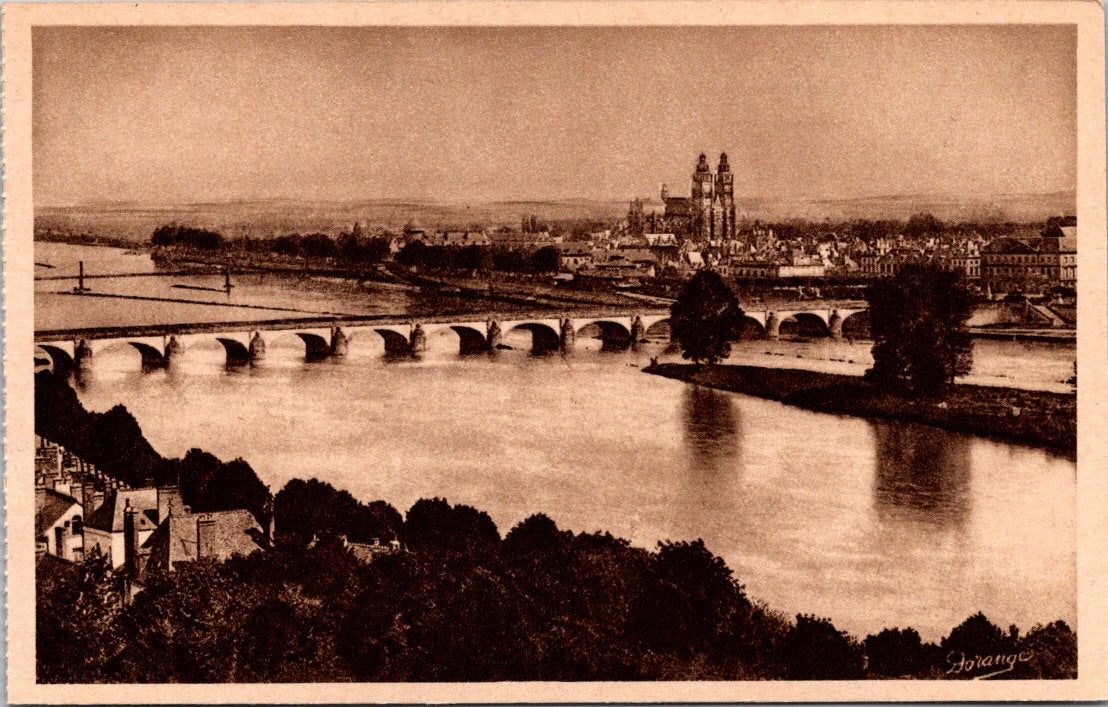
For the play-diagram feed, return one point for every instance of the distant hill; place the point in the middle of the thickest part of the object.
(272, 217)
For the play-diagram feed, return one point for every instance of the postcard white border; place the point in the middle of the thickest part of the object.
(1092, 490)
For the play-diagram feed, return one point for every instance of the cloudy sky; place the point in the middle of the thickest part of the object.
(210, 114)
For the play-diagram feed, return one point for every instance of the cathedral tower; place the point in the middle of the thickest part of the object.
(725, 198)
(703, 194)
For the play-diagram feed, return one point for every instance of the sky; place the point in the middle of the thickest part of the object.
(200, 114)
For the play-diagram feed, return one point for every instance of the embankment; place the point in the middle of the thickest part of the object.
(1033, 418)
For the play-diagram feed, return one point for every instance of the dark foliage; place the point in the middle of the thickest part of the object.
(977, 636)
(816, 650)
(315, 508)
(208, 484)
(435, 525)
(706, 318)
(918, 322)
(483, 258)
(542, 604)
(113, 442)
(898, 653)
(188, 237)
(1051, 653)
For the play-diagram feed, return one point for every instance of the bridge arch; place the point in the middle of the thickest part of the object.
(544, 339)
(151, 356)
(60, 359)
(237, 353)
(752, 329)
(660, 329)
(807, 323)
(614, 335)
(316, 347)
(855, 325)
(395, 342)
(470, 339)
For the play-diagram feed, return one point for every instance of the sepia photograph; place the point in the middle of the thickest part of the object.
(424, 351)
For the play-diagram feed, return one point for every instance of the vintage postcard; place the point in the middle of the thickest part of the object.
(554, 351)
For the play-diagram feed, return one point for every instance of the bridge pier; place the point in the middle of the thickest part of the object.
(82, 355)
(172, 350)
(493, 335)
(339, 343)
(417, 342)
(257, 347)
(773, 326)
(567, 335)
(835, 324)
(638, 333)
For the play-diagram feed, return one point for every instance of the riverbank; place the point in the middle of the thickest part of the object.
(1034, 418)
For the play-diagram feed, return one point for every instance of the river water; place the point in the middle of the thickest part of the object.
(871, 524)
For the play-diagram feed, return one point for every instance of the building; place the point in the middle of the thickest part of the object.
(104, 530)
(1028, 264)
(573, 256)
(58, 524)
(771, 271)
(709, 211)
(187, 537)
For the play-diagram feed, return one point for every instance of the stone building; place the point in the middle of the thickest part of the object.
(1030, 264)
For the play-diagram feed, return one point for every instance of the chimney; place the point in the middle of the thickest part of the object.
(205, 536)
(61, 541)
(40, 495)
(130, 537)
(169, 502)
(271, 522)
(77, 491)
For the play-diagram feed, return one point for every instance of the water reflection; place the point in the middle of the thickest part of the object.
(711, 429)
(922, 474)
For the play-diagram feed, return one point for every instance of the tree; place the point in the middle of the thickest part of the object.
(923, 224)
(77, 623)
(435, 525)
(896, 653)
(545, 259)
(918, 322)
(705, 318)
(313, 507)
(816, 650)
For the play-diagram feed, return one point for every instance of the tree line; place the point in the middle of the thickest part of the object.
(356, 249)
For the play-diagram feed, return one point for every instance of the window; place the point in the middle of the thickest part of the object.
(76, 526)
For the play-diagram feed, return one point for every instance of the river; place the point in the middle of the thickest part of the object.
(871, 524)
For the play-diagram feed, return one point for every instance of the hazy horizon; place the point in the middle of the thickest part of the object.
(195, 115)
(146, 203)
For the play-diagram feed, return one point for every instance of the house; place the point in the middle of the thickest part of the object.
(573, 256)
(1031, 263)
(187, 537)
(366, 553)
(58, 524)
(104, 527)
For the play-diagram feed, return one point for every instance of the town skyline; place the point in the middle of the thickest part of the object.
(499, 114)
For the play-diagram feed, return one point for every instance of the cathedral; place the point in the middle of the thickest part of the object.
(709, 213)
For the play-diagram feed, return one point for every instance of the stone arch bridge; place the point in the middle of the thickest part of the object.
(245, 342)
